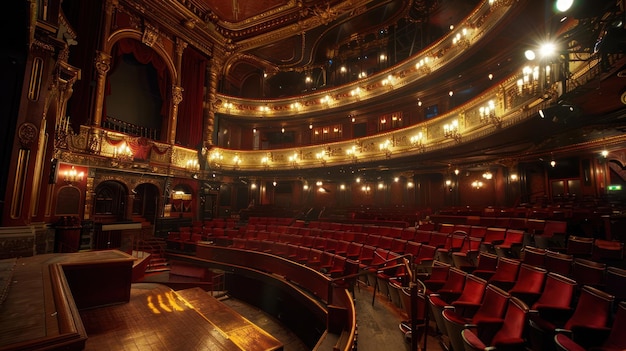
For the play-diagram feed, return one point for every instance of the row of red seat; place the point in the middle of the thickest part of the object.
(480, 299)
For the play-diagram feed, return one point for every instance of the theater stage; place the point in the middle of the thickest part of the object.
(86, 301)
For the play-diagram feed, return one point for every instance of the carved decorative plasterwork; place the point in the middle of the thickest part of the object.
(27, 134)
(102, 63)
(150, 35)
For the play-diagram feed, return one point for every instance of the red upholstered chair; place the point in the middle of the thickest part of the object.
(465, 305)
(398, 246)
(506, 273)
(491, 311)
(437, 239)
(467, 258)
(586, 272)
(367, 255)
(615, 282)
(436, 277)
(486, 265)
(341, 248)
(354, 250)
(418, 319)
(592, 313)
(557, 295)
(412, 248)
(534, 256)
(509, 335)
(559, 263)
(326, 262)
(425, 258)
(579, 246)
(607, 251)
(339, 263)
(454, 243)
(613, 339)
(453, 285)
(493, 236)
(552, 235)
(529, 284)
(422, 236)
(512, 244)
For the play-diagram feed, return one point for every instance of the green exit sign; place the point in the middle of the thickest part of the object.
(614, 187)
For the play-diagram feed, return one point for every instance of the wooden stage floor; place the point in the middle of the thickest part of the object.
(157, 318)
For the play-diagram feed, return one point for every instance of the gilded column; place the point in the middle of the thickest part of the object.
(177, 91)
(103, 65)
(209, 122)
(177, 97)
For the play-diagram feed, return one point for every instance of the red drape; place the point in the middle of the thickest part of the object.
(145, 55)
(190, 117)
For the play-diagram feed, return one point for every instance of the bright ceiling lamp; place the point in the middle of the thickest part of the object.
(564, 5)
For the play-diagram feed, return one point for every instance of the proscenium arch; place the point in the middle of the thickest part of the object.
(169, 121)
(137, 35)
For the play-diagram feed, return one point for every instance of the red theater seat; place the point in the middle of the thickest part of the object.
(612, 339)
(509, 335)
(506, 273)
(491, 311)
(592, 313)
(529, 284)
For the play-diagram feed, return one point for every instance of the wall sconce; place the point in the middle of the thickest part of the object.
(452, 131)
(352, 153)
(477, 184)
(461, 38)
(216, 158)
(488, 114)
(386, 147)
(293, 160)
(71, 176)
(513, 177)
(123, 153)
(423, 65)
(418, 141)
(192, 165)
(487, 175)
(321, 156)
(236, 162)
(265, 161)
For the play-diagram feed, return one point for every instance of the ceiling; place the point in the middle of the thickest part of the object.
(298, 35)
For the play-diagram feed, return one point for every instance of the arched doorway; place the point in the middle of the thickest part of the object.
(146, 202)
(110, 202)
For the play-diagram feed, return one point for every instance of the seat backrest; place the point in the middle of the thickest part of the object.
(534, 256)
(557, 292)
(615, 282)
(455, 281)
(507, 270)
(586, 272)
(405, 296)
(412, 248)
(494, 234)
(493, 304)
(592, 310)
(473, 290)
(512, 329)
(559, 263)
(487, 261)
(514, 236)
(617, 339)
(530, 279)
(579, 246)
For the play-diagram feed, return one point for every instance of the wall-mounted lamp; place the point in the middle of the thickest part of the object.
(123, 153)
(451, 130)
(71, 176)
(488, 114)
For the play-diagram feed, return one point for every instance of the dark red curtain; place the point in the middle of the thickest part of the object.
(144, 55)
(190, 117)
